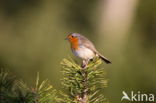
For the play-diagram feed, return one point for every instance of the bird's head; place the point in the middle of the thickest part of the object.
(73, 38)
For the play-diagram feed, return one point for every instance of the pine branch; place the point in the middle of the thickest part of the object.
(6, 84)
(44, 91)
(13, 90)
(80, 86)
(83, 85)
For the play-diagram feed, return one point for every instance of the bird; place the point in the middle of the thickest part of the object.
(84, 48)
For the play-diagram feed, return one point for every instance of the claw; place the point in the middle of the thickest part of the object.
(84, 63)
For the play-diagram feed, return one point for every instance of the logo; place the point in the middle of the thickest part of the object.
(138, 96)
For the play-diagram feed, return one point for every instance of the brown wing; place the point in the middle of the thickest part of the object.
(88, 44)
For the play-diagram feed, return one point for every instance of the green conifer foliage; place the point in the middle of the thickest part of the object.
(13, 90)
(80, 85)
(83, 85)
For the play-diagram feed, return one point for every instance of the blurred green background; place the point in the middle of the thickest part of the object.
(32, 36)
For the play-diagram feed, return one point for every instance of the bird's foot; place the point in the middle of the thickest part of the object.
(83, 66)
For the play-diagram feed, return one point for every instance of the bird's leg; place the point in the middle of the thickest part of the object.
(84, 63)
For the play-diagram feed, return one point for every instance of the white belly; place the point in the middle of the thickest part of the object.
(84, 53)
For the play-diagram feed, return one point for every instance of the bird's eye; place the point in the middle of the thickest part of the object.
(72, 36)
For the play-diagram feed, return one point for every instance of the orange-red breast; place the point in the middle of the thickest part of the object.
(84, 48)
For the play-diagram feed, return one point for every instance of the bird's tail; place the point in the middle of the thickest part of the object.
(105, 59)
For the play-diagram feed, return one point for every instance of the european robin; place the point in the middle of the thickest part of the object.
(84, 48)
